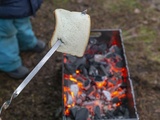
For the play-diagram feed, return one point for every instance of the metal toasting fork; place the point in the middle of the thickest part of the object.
(31, 75)
(33, 72)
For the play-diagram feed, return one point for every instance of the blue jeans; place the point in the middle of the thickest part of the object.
(15, 35)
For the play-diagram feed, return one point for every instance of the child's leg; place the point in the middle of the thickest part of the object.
(26, 38)
(9, 50)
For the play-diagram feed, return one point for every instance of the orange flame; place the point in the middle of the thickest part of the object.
(101, 84)
(65, 60)
(77, 71)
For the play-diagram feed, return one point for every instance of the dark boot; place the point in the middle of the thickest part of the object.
(19, 73)
(40, 46)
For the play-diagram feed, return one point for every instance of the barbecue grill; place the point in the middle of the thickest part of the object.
(97, 86)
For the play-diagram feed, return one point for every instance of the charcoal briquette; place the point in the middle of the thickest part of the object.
(120, 64)
(79, 101)
(80, 61)
(86, 84)
(93, 70)
(69, 99)
(84, 71)
(69, 68)
(75, 89)
(126, 114)
(105, 70)
(73, 111)
(97, 113)
(109, 55)
(115, 100)
(107, 94)
(110, 114)
(102, 48)
(70, 58)
(90, 90)
(123, 85)
(115, 49)
(82, 114)
(98, 78)
(68, 83)
(92, 40)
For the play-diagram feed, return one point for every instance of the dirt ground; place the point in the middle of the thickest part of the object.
(140, 24)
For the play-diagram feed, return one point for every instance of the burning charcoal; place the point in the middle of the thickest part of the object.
(87, 84)
(110, 114)
(98, 57)
(115, 100)
(98, 95)
(93, 71)
(91, 90)
(91, 97)
(111, 81)
(69, 69)
(74, 88)
(83, 96)
(113, 58)
(96, 49)
(121, 109)
(102, 48)
(110, 55)
(73, 111)
(114, 88)
(123, 91)
(107, 95)
(117, 75)
(100, 81)
(73, 63)
(126, 114)
(89, 57)
(124, 100)
(121, 112)
(105, 108)
(68, 82)
(123, 85)
(118, 58)
(80, 79)
(99, 91)
(69, 66)
(69, 99)
(79, 101)
(105, 70)
(117, 113)
(84, 70)
(93, 40)
(120, 64)
(115, 49)
(103, 116)
(97, 113)
(80, 61)
(70, 58)
(82, 114)
(90, 105)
